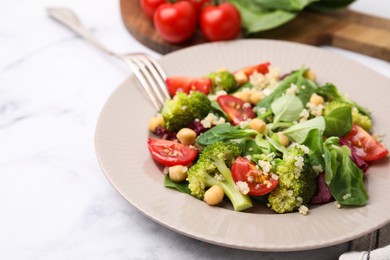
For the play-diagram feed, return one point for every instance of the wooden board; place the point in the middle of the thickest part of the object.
(346, 29)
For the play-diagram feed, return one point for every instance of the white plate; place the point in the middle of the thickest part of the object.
(121, 135)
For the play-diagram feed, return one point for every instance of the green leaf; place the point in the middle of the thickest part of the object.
(306, 89)
(255, 18)
(314, 141)
(299, 132)
(338, 122)
(330, 5)
(287, 108)
(180, 186)
(223, 132)
(331, 92)
(347, 184)
(288, 5)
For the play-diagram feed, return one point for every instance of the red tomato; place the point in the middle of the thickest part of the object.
(175, 22)
(150, 6)
(170, 153)
(262, 68)
(186, 84)
(258, 182)
(366, 146)
(221, 22)
(236, 109)
(199, 4)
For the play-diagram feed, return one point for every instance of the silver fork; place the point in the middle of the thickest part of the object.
(148, 72)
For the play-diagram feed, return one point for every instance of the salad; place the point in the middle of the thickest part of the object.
(257, 136)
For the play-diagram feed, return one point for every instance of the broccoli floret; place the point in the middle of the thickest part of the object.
(223, 80)
(297, 181)
(184, 109)
(357, 118)
(213, 168)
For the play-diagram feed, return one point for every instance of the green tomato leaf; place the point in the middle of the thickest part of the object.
(287, 108)
(288, 5)
(299, 132)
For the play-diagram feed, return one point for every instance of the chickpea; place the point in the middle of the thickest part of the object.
(256, 96)
(186, 136)
(241, 77)
(258, 125)
(154, 122)
(214, 195)
(243, 95)
(283, 139)
(177, 173)
(309, 74)
(316, 99)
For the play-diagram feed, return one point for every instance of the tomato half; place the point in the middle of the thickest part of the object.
(236, 109)
(262, 68)
(170, 153)
(220, 22)
(186, 84)
(258, 182)
(365, 145)
(175, 22)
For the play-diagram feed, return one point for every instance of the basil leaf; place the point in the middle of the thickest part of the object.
(299, 132)
(339, 121)
(287, 108)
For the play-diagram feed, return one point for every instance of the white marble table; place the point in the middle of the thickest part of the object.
(55, 202)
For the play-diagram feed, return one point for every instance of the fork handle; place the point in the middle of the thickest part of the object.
(68, 18)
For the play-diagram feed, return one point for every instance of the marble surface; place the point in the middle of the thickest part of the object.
(55, 201)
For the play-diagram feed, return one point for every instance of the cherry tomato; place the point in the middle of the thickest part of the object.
(199, 4)
(365, 145)
(170, 153)
(150, 6)
(220, 22)
(186, 84)
(175, 22)
(262, 68)
(236, 109)
(258, 182)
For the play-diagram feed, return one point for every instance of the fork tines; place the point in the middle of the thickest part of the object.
(151, 77)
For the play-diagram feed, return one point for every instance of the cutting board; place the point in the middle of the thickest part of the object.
(345, 29)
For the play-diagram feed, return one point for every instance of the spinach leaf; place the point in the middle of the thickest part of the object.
(331, 92)
(329, 5)
(299, 132)
(338, 122)
(180, 186)
(250, 147)
(287, 108)
(289, 5)
(256, 18)
(306, 89)
(223, 132)
(347, 184)
(314, 142)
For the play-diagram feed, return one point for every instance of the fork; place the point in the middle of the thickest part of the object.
(148, 72)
